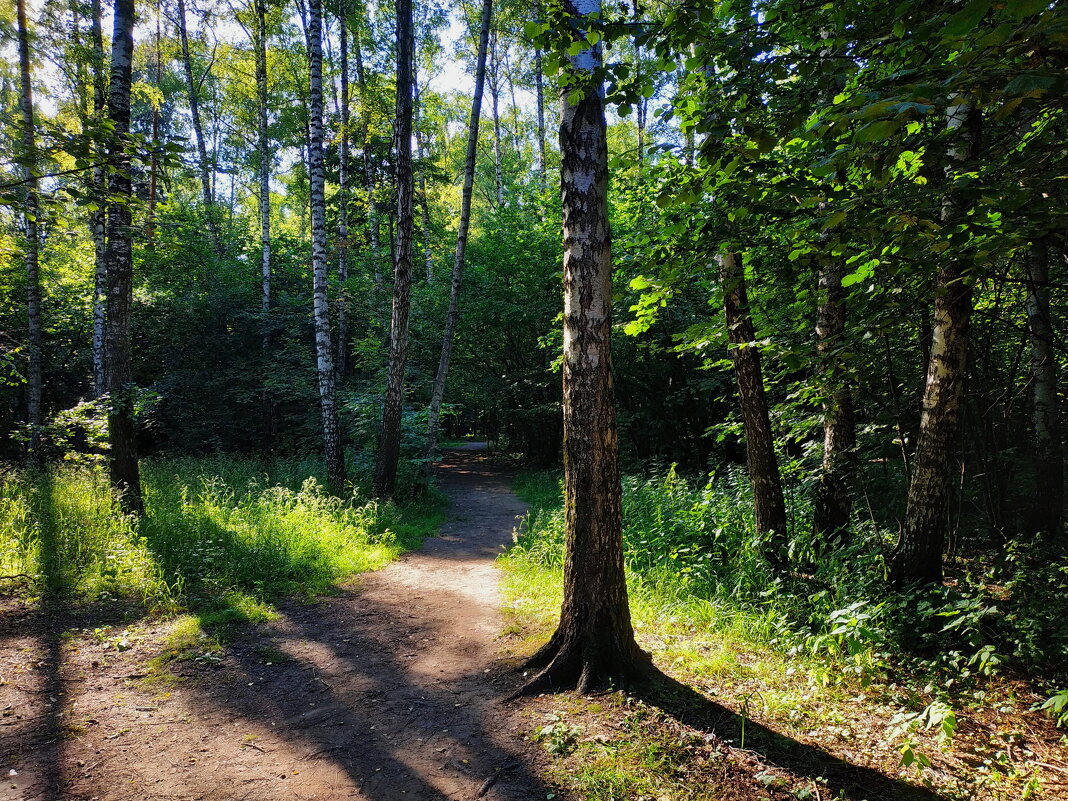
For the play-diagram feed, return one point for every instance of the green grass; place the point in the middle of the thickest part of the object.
(223, 536)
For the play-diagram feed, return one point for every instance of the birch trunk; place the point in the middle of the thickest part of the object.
(98, 220)
(759, 442)
(122, 433)
(263, 174)
(594, 641)
(833, 500)
(385, 477)
(335, 463)
(198, 131)
(539, 94)
(495, 91)
(424, 204)
(1049, 459)
(344, 366)
(31, 211)
(453, 314)
(368, 172)
(153, 170)
(917, 556)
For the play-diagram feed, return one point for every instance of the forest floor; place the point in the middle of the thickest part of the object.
(390, 688)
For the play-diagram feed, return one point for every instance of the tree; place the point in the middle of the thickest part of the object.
(833, 500)
(343, 363)
(385, 478)
(438, 392)
(31, 210)
(759, 440)
(594, 640)
(122, 430)
(98, 219)
(263, 174)
(198, 131)
(335, 461)
(917, 556)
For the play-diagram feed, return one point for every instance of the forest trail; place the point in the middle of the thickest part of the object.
(383, 692)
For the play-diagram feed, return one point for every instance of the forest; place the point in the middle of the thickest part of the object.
(542, 399)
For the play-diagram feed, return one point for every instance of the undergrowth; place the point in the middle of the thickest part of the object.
(803, 648)
(221, 536)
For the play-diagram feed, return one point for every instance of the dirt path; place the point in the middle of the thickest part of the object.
(386, 692)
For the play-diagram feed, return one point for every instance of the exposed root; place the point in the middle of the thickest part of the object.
(585, 669)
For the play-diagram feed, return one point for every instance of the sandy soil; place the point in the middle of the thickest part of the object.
(387, 691)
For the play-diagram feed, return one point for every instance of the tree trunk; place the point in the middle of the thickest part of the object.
(833, 503)
(31, 211)
(263, 174)
(122, 433)
(539, 94)
(424, 204)
(198, 131)
(1049, 459)
(335, 462)
(917, 556)
(344, 366)
(385, 477)
(759, 442)
(594, 641)
(98, 220)
(495, 92)
(153, 169)
(438, 393)
(368, 172)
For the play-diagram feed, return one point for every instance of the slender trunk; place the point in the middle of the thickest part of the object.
(122, 432)
(153, 170)
(833, 500)
(516, 144)
(642, 112)
(495, 91)
(98, 220)
(539, 94)
(198, 131)
(594, 641)
(759, 442)
(264, 190)
(917, 556)
(344, 366)
(31, 211)
(335, 463)
(438, 393)
(1049, 459)
(385, 477)
(368, 167)
(424, 204)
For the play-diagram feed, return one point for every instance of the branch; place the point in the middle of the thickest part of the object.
(72, 171)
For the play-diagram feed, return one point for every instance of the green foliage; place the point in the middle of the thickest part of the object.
(222, 534)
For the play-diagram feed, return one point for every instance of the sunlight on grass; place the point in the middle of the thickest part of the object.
(224, 535)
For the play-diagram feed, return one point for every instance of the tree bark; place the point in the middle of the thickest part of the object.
(98, 220)
(1049, 459)
(594, 641)
(344, 366)
(385, 477)
(263, 174)
(539, 94)
(335, 463)
(122, 432)
(198, 131)
(495, 91)
(759, 441)
(917, 556)
(424, 204)
(833, 502)
(451, 317)
(31, 211)
(368, 171)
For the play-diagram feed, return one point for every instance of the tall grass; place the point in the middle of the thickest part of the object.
(211, 528)
(693, 559)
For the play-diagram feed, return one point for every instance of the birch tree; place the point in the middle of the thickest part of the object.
(30, 212)
(98, 218)
(594, 641)
(343, 361)
(122, 432)
(385, 477)
(335, 464)
(453, 313)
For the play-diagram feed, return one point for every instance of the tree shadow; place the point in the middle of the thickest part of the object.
(844, 779)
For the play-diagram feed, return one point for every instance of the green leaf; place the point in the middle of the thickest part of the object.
(967, 18)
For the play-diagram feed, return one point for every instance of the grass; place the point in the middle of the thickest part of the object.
(223, 537)
(826, 655)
